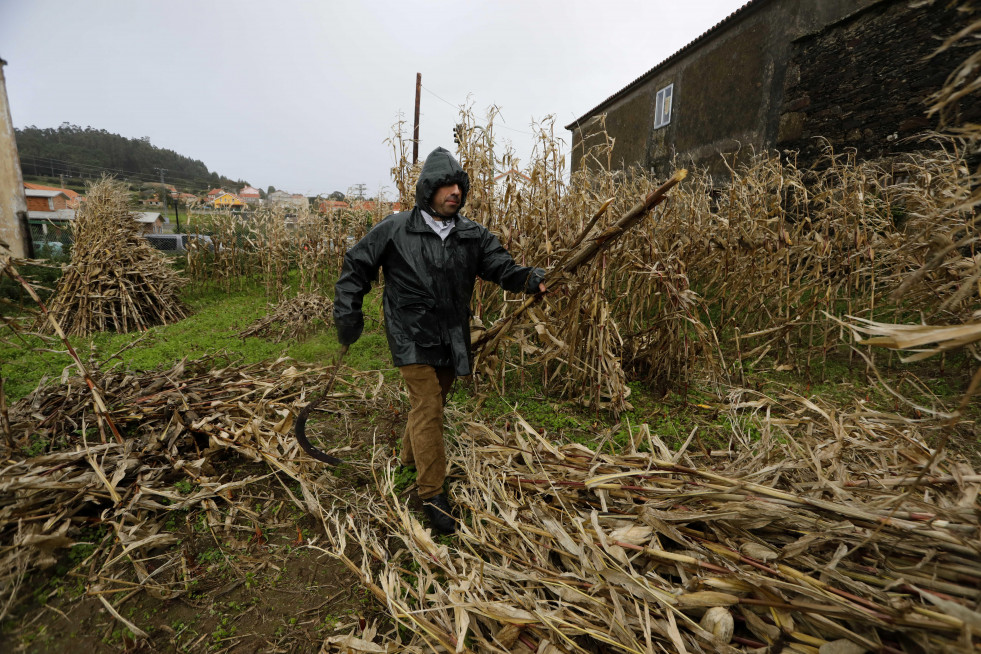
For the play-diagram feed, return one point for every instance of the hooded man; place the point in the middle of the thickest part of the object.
(431, 257)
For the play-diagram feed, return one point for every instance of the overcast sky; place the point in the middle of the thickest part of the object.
(303, 95)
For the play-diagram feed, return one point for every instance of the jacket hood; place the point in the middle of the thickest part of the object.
(440, 169)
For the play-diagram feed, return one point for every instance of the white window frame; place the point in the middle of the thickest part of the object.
(662, 106)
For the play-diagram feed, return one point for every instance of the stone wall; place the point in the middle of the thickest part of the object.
(728, 90)
(863, 83)
(13, 205)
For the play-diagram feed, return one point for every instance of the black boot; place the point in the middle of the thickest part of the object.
(440, 516)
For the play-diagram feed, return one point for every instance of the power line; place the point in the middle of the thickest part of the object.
(519, 131)
(502, 122)
(455, 106)
(92, 169)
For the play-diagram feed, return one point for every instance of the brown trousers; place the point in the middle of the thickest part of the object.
(422, 444)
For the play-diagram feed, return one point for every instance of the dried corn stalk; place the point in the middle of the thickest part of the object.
(294, 318)
(801, 535)
(115, 280)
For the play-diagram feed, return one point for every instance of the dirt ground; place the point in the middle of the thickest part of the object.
(270, 590)
(273, 597)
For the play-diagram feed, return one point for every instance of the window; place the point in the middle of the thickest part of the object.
(662, 106)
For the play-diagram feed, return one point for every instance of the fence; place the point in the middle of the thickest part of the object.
(49, 240)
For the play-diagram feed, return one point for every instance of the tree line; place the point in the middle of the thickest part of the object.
(85, 153)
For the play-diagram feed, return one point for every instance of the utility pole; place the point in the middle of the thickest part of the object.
(163, 186)
(415, 127)
(177, 213)
(164, 195)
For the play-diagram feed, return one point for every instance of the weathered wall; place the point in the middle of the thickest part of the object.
(12, 204)
(863, 83)
(721, 97)
(629, 126)
(728, 89)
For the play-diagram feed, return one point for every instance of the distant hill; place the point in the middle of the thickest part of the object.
(78, 153)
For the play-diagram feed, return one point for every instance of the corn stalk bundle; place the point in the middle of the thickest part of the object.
(294, 318)
(177, 421)
(660, 316)
(115, 280)
(819, 529)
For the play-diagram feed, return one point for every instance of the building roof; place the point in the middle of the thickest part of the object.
(40, 187)
(57, 215)
(38, 193)
(215, 191)
(148, 217)
(248, 191)
(718, 27)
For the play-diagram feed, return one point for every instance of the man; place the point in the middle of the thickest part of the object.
(431, 257)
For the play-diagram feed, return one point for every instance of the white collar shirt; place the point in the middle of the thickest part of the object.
(441, 227)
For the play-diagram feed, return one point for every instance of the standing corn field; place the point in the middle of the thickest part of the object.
(726, 274)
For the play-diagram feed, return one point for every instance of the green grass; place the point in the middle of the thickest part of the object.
(215, 320)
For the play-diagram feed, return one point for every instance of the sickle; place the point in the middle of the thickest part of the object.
(301, 420)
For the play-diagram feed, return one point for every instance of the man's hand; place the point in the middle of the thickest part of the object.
(541, 288)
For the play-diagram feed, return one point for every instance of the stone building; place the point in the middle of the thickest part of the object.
(14, 232)
(777, 74)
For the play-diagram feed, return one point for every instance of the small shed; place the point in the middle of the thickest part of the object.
(151, 222)
(46, 200)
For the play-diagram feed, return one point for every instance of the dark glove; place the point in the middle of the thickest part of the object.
(347, 334)
(535, 277)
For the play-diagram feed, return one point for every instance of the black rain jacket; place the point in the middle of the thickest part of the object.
(428, 282)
